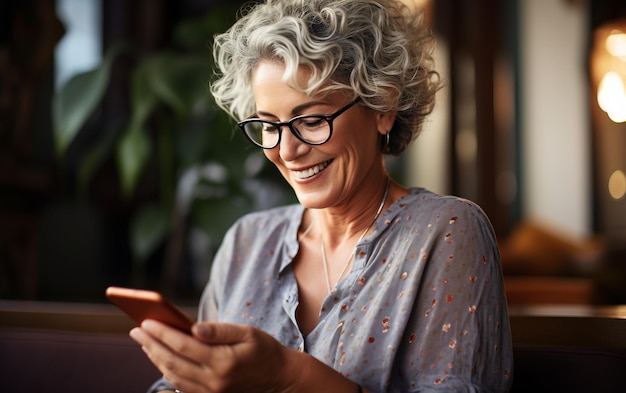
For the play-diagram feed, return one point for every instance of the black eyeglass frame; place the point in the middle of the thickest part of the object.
(289, 124)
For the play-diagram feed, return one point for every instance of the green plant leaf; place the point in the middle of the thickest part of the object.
(194, 33)
(143, 99)
(148, 229)
(206, 136)
(215, 215)
(178, 80)
(132, 154)
(134, 147)
(93, 159)
(77, 100)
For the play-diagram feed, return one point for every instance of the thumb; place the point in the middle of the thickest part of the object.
(214, 333)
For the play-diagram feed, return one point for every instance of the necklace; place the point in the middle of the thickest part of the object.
(345, 267)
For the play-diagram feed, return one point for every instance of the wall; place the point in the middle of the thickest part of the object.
(428, 158)
(555, 136)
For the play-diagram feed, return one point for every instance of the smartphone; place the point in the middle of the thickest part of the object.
(142, 304)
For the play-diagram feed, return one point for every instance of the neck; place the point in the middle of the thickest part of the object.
(344, 223)
(328, 272)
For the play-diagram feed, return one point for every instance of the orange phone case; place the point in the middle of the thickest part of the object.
(142, 304)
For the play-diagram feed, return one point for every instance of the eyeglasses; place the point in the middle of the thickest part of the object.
(310, 129)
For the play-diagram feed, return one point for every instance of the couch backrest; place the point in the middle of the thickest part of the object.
(53, 361)
(540, 369)
(569, 349)
(85, 348)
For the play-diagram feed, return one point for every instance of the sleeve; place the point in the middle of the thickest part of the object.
(207, 309)
(160, 385)
(458, 337)
(211, 296)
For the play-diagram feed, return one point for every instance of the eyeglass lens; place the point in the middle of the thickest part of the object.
(311, 129)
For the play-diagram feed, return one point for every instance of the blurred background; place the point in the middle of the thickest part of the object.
(116, 168)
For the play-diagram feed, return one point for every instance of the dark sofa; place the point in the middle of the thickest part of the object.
(39, 361)
(543, 369)
(47, 347)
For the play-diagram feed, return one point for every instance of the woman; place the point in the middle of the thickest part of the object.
(365, 286)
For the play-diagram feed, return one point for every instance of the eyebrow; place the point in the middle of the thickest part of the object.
(296, 110)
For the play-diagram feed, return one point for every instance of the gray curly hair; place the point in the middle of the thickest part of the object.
(374, 49)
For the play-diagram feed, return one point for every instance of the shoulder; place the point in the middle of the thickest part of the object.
(259, 234)
(424, 211)
(427, 202)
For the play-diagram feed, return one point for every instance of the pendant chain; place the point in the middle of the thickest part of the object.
(345, 267)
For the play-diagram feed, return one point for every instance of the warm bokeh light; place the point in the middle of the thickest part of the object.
(609, 70)
(418, 4)
(612, 96)
(617, 185)
(421, 5)
(616, 44)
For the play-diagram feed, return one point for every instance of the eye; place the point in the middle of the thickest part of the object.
(311, 123)
(268, 127)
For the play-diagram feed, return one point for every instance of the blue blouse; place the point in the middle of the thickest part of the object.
(423, 309)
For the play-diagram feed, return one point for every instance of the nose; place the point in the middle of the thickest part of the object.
(290, 146)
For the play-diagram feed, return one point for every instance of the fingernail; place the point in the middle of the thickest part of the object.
(203, 328)
(148, 324)
(135, 334)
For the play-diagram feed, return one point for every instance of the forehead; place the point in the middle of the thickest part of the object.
(275, 90)
(275, 71)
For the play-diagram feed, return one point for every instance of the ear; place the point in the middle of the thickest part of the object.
(384, 121)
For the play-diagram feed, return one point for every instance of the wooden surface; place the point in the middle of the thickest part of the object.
(588, 326)
(79, 317)
(594, 326)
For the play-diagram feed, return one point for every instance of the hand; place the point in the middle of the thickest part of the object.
(218, 357)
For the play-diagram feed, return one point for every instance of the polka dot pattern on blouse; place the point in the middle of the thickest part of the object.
(423, 308)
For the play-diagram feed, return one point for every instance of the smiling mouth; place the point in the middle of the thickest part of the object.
(311, 171)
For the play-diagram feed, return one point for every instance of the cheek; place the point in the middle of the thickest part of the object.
(271, 154)
(362, 140)
(362, 131)
(274, 157)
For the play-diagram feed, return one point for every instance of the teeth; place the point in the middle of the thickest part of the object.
(311, 171)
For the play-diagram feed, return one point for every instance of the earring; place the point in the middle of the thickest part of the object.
(387, 141)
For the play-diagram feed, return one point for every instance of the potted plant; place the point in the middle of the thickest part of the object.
(207, 174)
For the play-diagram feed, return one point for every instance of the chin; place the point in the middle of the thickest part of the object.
(308, 200)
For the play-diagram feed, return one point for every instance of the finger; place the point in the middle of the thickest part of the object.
(212, 358)
(221, 333)
(155, 348)
(180, 370)
(174, 339)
